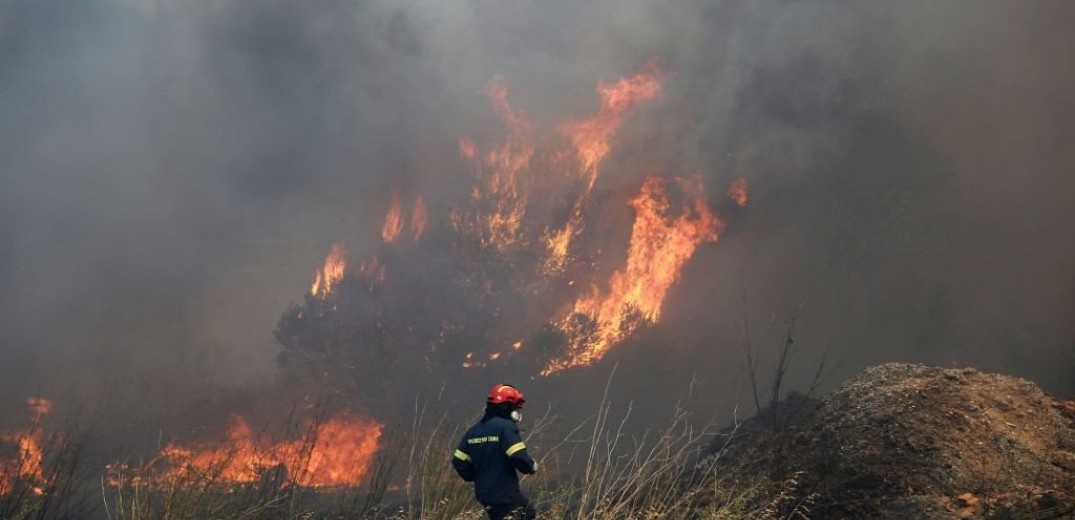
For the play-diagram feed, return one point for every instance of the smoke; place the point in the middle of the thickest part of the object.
(175, 172)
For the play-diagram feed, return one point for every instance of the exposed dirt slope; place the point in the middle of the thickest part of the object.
(911, 441)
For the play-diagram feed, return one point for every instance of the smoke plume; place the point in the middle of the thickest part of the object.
(174, 174)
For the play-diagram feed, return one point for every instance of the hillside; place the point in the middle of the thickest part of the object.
(911, 441)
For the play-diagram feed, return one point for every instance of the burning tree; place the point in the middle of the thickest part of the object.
(512, 275)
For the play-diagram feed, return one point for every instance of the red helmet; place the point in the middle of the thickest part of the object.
(503, 393)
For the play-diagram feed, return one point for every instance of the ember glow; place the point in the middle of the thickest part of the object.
(330, 273)
(660, 245)
(335, 453)
(393, 221)
(419, 217)
(738, 191)
(25, 465)
(373, 270)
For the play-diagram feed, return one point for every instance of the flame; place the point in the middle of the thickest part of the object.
(419, 218)
(236, 460)
(393, 221)
(342, 453)
(591, 139)
(27, 464)
(504, 174)
(466, 148)
(374, 271)
(558, 243)
(500, 194)
(335, 453)
(738, 191)
(468, 361)
(660, 245)
(331, 273)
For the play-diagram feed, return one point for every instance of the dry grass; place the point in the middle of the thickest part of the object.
(674, 472)
(596, 471)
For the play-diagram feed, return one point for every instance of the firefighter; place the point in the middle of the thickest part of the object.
(491, 452)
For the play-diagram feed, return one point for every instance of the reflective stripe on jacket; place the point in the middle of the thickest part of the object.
(489, 454)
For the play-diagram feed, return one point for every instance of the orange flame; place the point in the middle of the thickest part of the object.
(558, 243)
(662, 240)
(335, 453)
(331, 273)
(592, 142)
(738, 191)
(419, 218)
(393, 221)
(26, 465)
(660, 246)
(501, 193)
(592, 136)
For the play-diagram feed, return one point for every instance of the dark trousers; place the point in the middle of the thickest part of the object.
(511, 512)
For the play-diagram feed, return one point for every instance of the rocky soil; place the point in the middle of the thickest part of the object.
(911, 441)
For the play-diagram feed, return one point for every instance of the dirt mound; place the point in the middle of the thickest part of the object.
(911, 441)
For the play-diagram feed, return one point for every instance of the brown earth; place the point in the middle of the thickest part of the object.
(911, 441)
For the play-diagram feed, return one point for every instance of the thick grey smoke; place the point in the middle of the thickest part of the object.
(173, 172)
